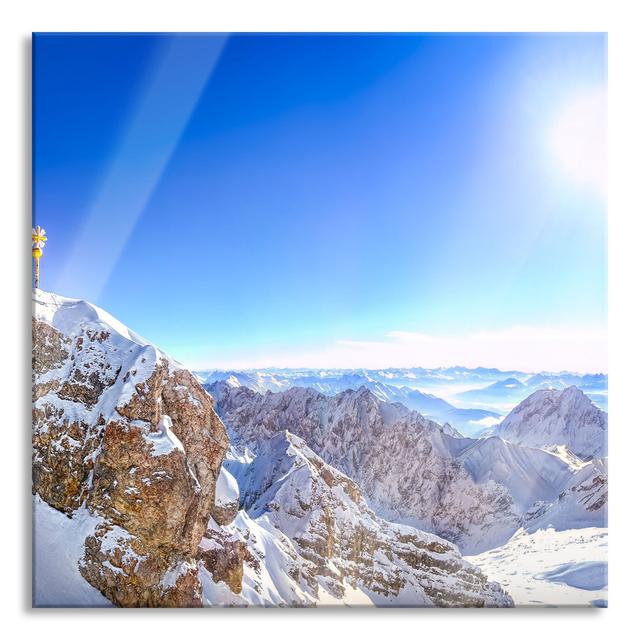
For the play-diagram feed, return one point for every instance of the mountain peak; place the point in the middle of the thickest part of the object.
(551, 417)
(573, 392)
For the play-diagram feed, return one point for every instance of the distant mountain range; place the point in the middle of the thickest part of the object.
(411, 377)
(473, 412)
(513, 389)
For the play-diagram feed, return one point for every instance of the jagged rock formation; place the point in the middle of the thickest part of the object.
(223, 554)
(121, 428)
(400, 459)
(473, 492)
(467, 421)
(550, 417)
(331, 545)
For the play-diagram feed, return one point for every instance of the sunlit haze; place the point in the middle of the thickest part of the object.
(331, 201)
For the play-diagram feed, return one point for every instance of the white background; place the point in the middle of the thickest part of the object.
(19, 19)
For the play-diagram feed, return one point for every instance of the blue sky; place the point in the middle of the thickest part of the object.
(350, 200)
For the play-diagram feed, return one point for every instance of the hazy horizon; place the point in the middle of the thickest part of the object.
(355, 369)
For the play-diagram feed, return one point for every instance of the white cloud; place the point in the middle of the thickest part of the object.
(522, 348)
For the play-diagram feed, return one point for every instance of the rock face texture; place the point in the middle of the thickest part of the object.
(336, 544)
(121, 429)
(550, 417)
(476, 493)
(402, 461)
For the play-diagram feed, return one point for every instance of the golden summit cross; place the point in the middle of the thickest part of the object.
(38, 240)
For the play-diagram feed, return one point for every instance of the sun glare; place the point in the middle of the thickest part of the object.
(578, 140)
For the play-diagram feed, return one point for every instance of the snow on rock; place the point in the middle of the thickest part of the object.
(123, 431)
(227, 498)
(163, 441)
(227, 490)
(551, 568)
(70, 316)
(306, 536)
(58, 548)
(476, 493)
(175, 573)
(550, 417)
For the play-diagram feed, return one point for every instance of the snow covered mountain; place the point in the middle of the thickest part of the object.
(307, 536)
(133, 507)
(585, 493)
(550, 417)
(475, 493)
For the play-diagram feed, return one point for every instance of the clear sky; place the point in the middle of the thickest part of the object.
(291, 200)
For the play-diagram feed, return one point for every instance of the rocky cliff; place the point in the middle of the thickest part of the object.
(122, 430)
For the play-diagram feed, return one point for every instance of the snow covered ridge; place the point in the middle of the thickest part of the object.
(476, 493)
(307, 537)
(71, 317)
(89, 349)
(127, 444)
(551, 417)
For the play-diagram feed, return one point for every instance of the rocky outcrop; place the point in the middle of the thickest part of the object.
(223, 554)
(122, 429)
